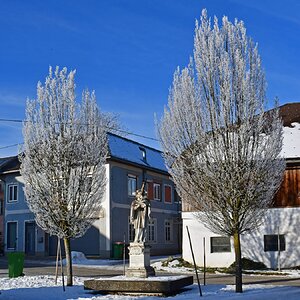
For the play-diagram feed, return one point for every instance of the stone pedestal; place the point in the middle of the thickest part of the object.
(139, 261)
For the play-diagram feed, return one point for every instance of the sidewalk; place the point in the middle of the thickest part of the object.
(46, 266)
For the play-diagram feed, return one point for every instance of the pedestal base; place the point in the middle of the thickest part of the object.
(154, 286)
(139, 261)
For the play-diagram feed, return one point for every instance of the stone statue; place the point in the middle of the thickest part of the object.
(140, 214)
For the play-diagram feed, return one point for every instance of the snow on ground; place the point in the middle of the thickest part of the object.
(44, 288)
(79, 260)
(171, 268)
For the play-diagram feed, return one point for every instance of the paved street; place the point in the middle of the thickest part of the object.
(42, 267)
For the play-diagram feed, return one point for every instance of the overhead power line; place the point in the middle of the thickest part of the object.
(109, 128)
(11, 120)
(10, 146)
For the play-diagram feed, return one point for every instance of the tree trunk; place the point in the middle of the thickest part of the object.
(69, 262)
(238, 263)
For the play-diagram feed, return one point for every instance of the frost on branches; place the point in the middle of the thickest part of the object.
(63, 162)
(221, 147)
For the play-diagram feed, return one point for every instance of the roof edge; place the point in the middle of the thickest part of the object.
(134, 142)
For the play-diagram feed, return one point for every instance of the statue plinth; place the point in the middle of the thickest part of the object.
(139, 261)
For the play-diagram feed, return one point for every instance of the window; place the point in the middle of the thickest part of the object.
(157, 191)
(144, 154)
(152, 230)
(12, 192)
(271, 242)
(1, 206)
(11, 235)
(220, 244)
(168, 231)
(168, 194)
(131, 232)
(176, 197)
(149, 189)
(131, 185)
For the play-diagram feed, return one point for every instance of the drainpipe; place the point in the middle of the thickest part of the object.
(278, 257)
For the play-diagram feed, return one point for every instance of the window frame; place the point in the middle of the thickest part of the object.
(131, 177)
(144, 153)
(156, 185)
(131, 231)
(14, 193)
(214, 248)
(149, 189)
(168, 230)
(176, 196)
(153, 224)
(273, 246)
(6, 237)
(171, 193)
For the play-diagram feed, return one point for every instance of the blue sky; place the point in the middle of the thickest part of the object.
(127, 51)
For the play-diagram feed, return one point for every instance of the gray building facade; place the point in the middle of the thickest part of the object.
(129, 164)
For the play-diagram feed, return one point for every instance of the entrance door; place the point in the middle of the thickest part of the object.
(30, 238)
(11, 235)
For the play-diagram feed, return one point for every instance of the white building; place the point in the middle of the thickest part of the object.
(283, 219)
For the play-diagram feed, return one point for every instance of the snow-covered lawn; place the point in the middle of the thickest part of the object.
(80, 260)
(43, 287)
(173, 266)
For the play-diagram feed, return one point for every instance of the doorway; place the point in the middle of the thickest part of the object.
(30, 238)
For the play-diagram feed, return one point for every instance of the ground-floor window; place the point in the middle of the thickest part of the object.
(168, 231)
(152, 230)
(11, 235)
(271, 242)
(131, 232)
(220, 244)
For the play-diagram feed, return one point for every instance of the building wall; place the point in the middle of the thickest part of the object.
(283, 217)
(18, 211)
(95, 242)
(2, 231)
(284, 221)
(160, 210)
(289, 192)
(113, 220)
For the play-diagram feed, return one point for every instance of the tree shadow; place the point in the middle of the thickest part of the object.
(89, 244)
(284, 221)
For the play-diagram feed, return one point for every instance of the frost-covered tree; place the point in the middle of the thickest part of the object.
(221, 147)
(63, 160)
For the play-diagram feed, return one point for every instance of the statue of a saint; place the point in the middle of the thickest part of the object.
(140, 214)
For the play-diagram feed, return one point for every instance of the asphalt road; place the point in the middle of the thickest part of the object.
(41, 267)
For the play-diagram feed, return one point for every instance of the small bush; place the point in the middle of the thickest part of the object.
(181, 262)
(248, 264)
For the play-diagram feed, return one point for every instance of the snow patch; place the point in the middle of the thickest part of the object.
(43, 287)
(291, 141)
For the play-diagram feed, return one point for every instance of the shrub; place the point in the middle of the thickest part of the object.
(248, 264)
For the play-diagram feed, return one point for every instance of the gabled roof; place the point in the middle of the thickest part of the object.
(9, 164)
(129, 151)
(290, 113)
(120, 149)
